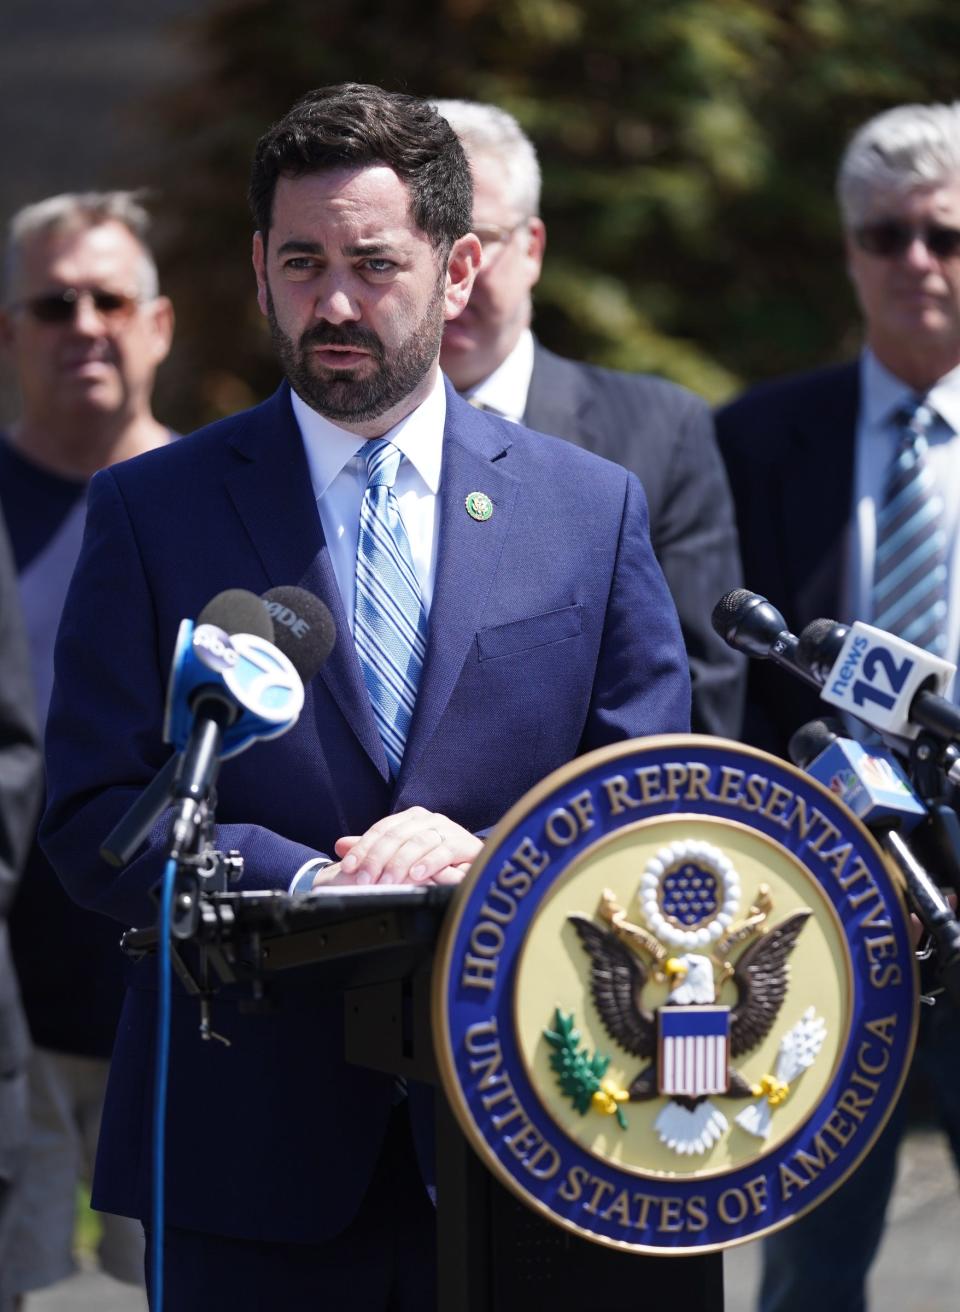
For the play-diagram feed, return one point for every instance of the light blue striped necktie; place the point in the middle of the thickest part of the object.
(910, 572)
(390, 626)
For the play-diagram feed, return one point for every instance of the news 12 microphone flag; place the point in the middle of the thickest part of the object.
(675, 1000)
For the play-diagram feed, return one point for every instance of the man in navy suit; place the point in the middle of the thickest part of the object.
(290, 1175)
(661, 432)
(807, 458)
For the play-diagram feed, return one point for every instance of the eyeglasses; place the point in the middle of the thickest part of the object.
(489, 234)
(60, 307)
(890, 237)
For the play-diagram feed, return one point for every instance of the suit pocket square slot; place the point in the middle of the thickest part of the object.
(536, 631)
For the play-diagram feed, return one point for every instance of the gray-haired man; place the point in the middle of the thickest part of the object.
(85, 328)
(810, 462)
(662, 433)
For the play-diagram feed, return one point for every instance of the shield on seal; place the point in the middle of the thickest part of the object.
(694, 1050)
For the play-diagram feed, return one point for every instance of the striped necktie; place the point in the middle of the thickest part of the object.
(910, 573)
(390, 626)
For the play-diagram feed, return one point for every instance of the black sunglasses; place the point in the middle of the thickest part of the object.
(888, 237)
(60, 307)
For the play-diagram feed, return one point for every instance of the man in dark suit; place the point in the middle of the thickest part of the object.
(20, 787)
(808, 459)
(661, 432)
(526, 567)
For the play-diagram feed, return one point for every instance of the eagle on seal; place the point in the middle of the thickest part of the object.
(620, 973)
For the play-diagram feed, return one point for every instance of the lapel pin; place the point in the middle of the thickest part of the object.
(479, 506)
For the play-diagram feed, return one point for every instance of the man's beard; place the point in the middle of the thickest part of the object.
(339, 394)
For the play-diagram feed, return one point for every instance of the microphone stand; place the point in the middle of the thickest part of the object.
(935, 847)
(187, 780)
(192, 860)
(934, 844)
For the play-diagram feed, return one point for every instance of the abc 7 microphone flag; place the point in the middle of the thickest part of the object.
(256, 654)
(263, 682)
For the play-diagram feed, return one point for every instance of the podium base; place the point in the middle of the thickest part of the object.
(496, 1255)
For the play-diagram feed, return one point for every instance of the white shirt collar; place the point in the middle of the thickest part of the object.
(505, 390)
(883, 394)
(944, 396)
(419, 436)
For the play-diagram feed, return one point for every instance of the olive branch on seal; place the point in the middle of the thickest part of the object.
(580, 1076)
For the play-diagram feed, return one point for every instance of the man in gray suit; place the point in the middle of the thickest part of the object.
(661, 432)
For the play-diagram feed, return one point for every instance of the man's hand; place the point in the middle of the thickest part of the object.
(413, 847)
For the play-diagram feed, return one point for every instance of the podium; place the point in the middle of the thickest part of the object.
(494, 1254)
(376, 946)
(688, 966)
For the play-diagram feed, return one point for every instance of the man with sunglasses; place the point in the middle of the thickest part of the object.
(827, 528)
(660, 432)
(85, 329)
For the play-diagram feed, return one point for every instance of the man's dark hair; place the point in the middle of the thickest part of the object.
(353, 124)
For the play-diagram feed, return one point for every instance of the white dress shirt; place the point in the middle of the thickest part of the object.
(339, 477)
(505, 390)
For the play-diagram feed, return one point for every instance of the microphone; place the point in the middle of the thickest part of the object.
(889, 684)
(751, 624)
(303, 628)
(229, 687)
(874, 787)
(868, 780)
(885, 682)
(238, 611)
(226, 669)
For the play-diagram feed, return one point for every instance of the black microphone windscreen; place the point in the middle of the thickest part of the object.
(813, 738)
(819, 645)
(749, 622)
(730, 609)
(238, 611)
(303, 628)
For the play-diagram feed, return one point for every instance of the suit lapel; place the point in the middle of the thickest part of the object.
(273, 496)
(557, 402)
(467, 558)
(270, 488)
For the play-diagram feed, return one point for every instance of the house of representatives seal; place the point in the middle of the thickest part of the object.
(675, 999)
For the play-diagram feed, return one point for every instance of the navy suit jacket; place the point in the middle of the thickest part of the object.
(551, 633)
(789, 451)
(663, 434)
(20, 788)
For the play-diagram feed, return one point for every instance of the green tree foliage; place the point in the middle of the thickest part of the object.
(688, 148)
